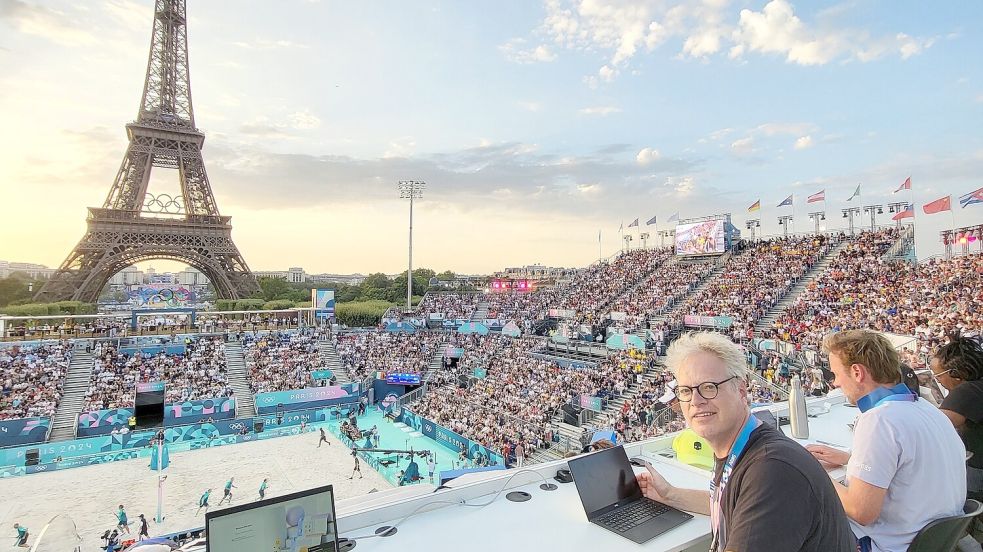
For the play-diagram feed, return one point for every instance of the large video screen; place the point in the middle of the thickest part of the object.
(700, 238)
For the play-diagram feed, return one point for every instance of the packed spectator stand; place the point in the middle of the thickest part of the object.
(32, 379)
(199, 373)
(279, 361)
(363, 353)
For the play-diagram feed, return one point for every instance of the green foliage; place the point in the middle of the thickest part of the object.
(225, 304)
(278, 304)
(13, 289)
(362, 313)
(248, 304)
(50, 309)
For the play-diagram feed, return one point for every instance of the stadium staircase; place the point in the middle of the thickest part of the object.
(331, 361)
(239, 378)
(681, 302)
(480, 311)
(436, 363)
(766, 321)
(73, 396)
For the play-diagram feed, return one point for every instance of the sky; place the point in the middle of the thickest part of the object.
(537, 126)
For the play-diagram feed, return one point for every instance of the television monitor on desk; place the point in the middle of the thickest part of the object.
(297, 522)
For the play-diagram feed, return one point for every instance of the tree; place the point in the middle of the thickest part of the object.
(446, 276)
(273, 288)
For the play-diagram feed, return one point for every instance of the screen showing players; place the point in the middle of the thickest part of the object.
(700, 238)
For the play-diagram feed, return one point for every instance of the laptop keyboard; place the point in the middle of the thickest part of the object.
(636, 513)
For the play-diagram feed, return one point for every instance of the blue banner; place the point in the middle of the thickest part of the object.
(102, 422)
(23, 431)
(306, 399)
(453, 441)
(191, 412)
(322, 374)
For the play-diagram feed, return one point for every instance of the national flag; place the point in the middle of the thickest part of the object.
(971, 198)
(937, 206)
(786, 203)
(818, 196)
(855, 194)
(674, 218)
(622, 227)
(907, 212)
(633, 223)
(754, 206)
(905, 186)
(650, 222)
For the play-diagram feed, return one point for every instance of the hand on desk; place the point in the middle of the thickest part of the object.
(829, 457)
(653, 485)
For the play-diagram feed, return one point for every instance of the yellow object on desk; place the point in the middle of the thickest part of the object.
(693, 450)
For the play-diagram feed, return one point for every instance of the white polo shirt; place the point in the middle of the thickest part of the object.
(912, 450)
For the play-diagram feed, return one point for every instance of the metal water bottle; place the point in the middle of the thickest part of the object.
(798, 417)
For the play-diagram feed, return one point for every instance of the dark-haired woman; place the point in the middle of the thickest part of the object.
(958, 366)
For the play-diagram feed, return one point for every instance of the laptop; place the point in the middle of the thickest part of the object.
(613, 499)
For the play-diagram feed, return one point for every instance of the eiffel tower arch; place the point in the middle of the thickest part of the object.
(132, 225)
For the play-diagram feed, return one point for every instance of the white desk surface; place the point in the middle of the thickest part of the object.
(551, 519)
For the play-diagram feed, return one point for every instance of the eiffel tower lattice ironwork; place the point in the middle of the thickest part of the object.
(132, 225)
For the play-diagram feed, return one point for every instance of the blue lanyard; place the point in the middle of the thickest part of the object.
(875, 398)
(717, 491)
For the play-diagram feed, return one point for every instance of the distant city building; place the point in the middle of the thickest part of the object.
(34, 271)
(297, 275)
(349, 279)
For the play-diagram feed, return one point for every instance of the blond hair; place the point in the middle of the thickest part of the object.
(713, 343)
(869, 348)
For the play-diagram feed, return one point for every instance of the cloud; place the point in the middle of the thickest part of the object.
(304, 120)
(742, 146)
(515, 174)
(601, 110)
(47, 23)
(646, 156)
(514, 51)
(803, 142)
(705, 28)
(529, 106)
(400, 147)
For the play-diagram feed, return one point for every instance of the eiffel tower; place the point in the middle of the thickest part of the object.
(132, 225)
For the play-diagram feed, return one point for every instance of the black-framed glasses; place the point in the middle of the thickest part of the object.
(708, 390)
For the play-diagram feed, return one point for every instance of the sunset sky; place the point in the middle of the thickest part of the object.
(535, 124)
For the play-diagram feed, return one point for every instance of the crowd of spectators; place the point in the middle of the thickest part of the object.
(199, 373)
(363, 353)
(453, 306)
(861, 289)
(660, 290)
(755, 280)
(280, 361)
(32, 379)
(597, 285)
(512, 407)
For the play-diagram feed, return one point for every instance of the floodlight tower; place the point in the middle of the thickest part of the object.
(410, 189)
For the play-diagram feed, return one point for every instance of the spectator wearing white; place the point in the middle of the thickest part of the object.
(908, 464)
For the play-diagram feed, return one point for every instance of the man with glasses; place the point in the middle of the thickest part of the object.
(908, 466)
(767, 492)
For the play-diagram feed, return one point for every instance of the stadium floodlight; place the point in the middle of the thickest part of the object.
(816, 217)
(784, 221)
(751, 224)
(873, 210)
(849, 213)
(410, 189)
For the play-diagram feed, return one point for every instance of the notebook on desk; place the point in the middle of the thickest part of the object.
(612, 498)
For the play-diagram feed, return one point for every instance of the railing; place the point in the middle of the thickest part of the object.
(781, 394)
(412, 396)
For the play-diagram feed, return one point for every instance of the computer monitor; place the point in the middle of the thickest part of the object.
(297, 522)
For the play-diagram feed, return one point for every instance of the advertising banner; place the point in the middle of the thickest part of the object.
(480, 373)
(23, 431)
(190, 412)
(450, 439)
(322, 374)
(304, 399)
(590, 403)
(323, 302)
(708, 321)
(700, 238)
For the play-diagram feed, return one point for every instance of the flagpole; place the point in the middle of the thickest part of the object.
(599, 256)
(911, 196)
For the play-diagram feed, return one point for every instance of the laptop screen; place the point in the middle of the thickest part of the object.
(604, 478)
(298, 521)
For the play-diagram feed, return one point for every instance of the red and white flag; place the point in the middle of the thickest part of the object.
(818, 196)
(905, 186)
(937, 206)
(907, 212)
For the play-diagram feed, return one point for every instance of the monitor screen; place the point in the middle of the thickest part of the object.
(295, 522)
(700, 238)
(402, 379)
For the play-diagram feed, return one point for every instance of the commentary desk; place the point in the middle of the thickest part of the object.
(553, 519)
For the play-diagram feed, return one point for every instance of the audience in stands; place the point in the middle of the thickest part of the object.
(279, 361)
(200, 373)
(32, 379)
(363, 353)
